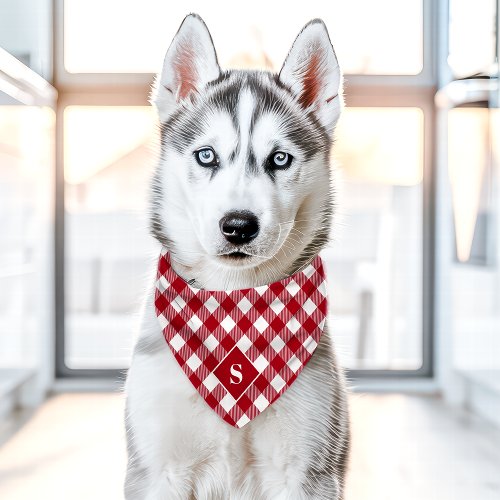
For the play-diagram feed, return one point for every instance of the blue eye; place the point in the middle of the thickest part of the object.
(206, 157)
(280, 160)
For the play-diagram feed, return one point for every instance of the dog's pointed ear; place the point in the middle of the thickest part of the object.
(312, 72)
(190, 63)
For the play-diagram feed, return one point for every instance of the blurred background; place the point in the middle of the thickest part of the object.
(413, 266)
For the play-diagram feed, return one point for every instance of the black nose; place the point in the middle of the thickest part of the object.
(239, 227)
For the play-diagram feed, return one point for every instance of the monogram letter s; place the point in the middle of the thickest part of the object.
(236, 373)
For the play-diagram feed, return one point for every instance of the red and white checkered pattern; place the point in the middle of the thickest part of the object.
(241, 349)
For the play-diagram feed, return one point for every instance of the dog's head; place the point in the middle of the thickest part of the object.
(244, 175)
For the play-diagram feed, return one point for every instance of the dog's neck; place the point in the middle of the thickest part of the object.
(306, 239)
(207, 274)
(211, 276)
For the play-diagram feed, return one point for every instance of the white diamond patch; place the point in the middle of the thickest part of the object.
(242, 421)
(177, 342)
(310, 345)
(261, 363)
(276, 305)
(293, 324)
(163, 284)
(193, 362)
(278, 383)
(211, 343)
(261, 324)
(277, 343)
(164, 322)
(194, 323)
(227, 402)
(309, 307)
(261, 403)
(178, 303)
(227, 323)
(211, 304)
(211, 382)
(294, 363)
(292, 288)
(309, 270)
(244, 305)
(244, 343)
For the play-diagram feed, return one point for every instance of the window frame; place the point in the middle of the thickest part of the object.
(65, 80)
(378, 97)
(118, 89)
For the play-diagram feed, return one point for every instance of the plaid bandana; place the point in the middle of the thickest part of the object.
(242, 349)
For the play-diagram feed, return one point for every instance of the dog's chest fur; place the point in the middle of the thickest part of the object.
(184, 450)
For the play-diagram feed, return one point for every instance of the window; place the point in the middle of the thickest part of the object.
(475, 53)
(107, 160)
(127, 36)
(472, 130)
(375, 262)
(26, 159)
(380, 306)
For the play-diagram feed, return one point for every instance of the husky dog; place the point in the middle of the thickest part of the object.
(242, 196)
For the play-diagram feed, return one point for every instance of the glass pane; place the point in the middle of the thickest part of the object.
(130, 36)
(375, 262)
(107, 170)
(468, 162)
(474, 169)
(26, 176)
(472, 37)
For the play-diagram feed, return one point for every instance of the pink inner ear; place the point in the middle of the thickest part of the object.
(311, 80)
(185, 71)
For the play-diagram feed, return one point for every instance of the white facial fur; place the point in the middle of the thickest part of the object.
(209, 199)
(292, 204)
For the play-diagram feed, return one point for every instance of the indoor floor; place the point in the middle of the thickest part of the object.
(404, 448)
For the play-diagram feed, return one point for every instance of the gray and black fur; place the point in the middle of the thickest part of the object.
(244, 116)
